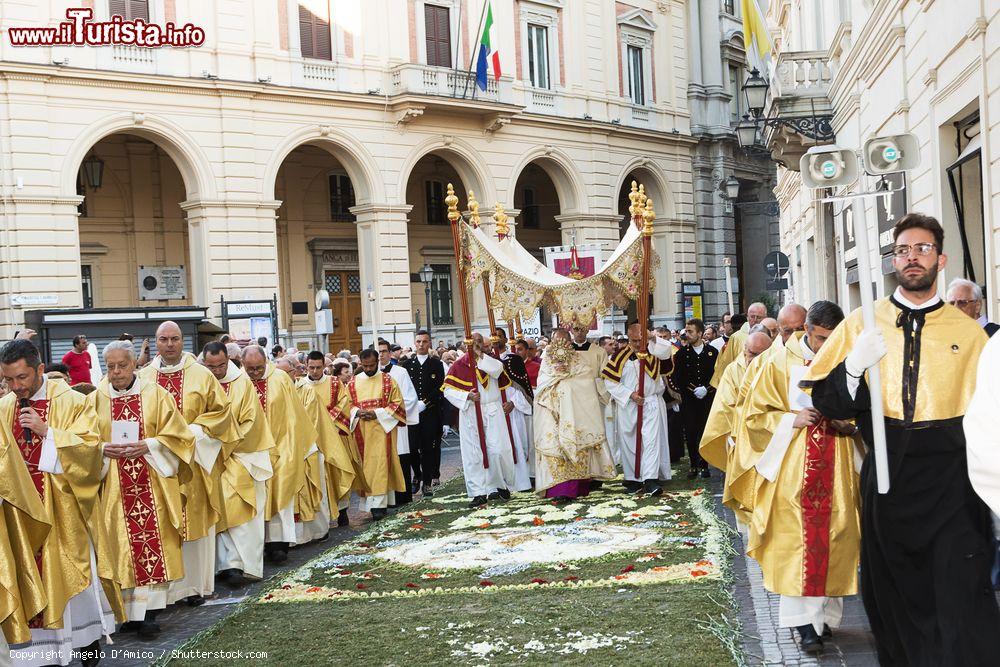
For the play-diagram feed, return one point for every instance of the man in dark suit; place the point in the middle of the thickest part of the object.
(967, 296)
(694, 365)
(427, 374)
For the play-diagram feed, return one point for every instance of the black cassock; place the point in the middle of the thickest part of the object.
(926, 547)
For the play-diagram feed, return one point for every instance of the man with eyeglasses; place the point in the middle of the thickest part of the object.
(925, 546)
(968, 298)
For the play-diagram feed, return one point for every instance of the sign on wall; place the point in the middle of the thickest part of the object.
(162, 282)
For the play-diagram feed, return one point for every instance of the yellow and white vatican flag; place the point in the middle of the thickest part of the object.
(756, 37)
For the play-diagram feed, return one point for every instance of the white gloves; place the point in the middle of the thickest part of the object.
(868, 350)
(700, 392)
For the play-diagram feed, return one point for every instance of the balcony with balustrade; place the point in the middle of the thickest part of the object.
(800, 102)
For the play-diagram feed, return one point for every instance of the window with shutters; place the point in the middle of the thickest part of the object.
(341, 198)
(529, 209)
(314, 31)
(437, 31)
(437, 212)
(636, 76)
(441, 301)
(129, 9)
(538, 56)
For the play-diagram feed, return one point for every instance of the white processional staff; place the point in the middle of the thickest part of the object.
(874, 373)
(727, 262)
(371, 305)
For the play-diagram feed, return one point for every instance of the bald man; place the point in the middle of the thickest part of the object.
(771, 325)
(206, 411)
(791, 318)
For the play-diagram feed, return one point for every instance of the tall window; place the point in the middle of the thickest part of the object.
(729, 6)
(129, 9)
(87, 285)
(441, 306)
(314, 31)
(437, 28)
(529, 209)
(538, 56)
(636, 78)
(341, 198)
(437, 212)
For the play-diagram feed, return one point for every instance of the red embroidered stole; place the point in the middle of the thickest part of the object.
(174, 384)
(372, 404)
(336, 413)
(138, 501)
(817, 503)
(261, 387)
(31, 452)
(225, 387)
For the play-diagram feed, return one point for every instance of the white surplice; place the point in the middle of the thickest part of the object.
(655, 458)
(479, 479)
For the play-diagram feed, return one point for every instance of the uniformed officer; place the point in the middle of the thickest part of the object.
(694, 365)
(427, 374)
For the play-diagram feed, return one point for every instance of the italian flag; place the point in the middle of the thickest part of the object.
(487, 52)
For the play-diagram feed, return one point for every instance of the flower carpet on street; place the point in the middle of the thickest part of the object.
(633, 576)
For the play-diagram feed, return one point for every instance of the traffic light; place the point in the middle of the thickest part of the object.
(885, 155)
(828, 167)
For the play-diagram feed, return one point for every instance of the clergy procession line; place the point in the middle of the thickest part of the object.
(163, 479)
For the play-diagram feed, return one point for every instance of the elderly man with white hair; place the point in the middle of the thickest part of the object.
(146, 444)
(968, 297)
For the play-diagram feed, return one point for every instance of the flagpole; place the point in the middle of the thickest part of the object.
(474, 51)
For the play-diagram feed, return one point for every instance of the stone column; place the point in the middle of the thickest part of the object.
(233, 252)
(383, 257)
(40, 256)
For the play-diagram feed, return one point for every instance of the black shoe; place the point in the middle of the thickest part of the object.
(325, 537)
(692, 473)
(493, 496)
(279, 553)
(827, 632)
(379, 513)
(478, 501)
(427, 491)
(632, 488)
(149, 630)
(192, 601)
(652, 488)
(504, 493)
(90, 654)
(232, 578)
(129, 626)
(809, 640)
(435, 482)
(705, 474)
(596, 484)
(342, 519)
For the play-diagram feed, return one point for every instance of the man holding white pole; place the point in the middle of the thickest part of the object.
(925, 548)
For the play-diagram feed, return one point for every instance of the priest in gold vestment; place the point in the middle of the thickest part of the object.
(805, 527)
(376, 412)
(571, 446)
(205, 408)
(246, 467)
(49, 447)
(145, 440)
(294, 441)
(340, 452)
(718, 437)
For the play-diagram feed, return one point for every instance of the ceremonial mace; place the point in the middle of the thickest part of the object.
(494, 337)
(453, 217)
(500, 219)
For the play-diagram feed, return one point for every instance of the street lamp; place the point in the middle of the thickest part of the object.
(746, 132)
(427, 277)
(93, 169)
(731, 187)
(755, 89)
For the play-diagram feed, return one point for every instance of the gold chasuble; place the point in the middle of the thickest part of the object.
(330, 411)
(731, 351)
(22, 535)
(715, 443)
(64, 504)
(805, 532)
(204, 405)
(236, 488)
(293, 433)
(377, 448)
(141, 508)
(310, 497)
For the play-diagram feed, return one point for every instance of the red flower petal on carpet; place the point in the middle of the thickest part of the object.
(628, 568)
(411, 585)
(539, 580)
(361, 587)
(538, 521)
(486, 582)
(698, 573)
